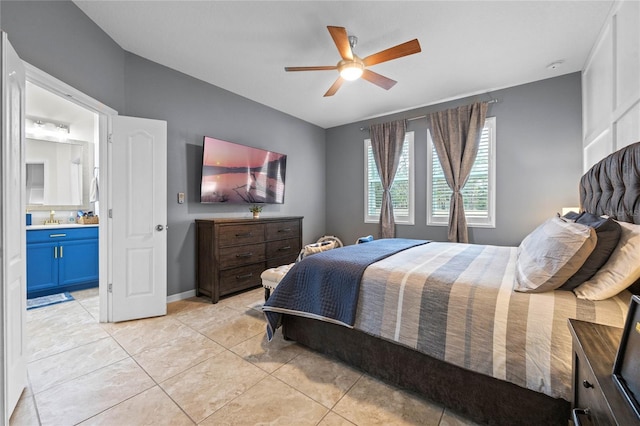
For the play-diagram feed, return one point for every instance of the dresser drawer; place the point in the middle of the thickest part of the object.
(233, 235)
(289, 248)
(231, 257)
(283, 230)
(588, 395)
(237, 279)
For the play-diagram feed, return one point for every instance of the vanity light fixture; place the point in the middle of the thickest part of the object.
(45, 128)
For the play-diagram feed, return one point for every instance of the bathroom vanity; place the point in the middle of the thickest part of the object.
(61, 258)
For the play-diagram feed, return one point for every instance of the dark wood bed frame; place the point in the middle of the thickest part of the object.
(611, 187)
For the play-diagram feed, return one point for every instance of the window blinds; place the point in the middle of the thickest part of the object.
(475, 192)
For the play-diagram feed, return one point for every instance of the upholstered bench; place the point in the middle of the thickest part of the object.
(272, 276)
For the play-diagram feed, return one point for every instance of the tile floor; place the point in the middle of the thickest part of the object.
(201, 364)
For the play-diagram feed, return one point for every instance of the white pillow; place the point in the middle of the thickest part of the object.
(551, 254)
(310, 249)
(314, 248)
(621, 270)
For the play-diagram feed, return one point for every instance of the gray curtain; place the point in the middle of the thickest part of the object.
(456, 134)
(386, 143)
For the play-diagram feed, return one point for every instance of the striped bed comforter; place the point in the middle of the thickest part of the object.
(455, 303)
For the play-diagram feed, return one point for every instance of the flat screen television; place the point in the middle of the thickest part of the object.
(234, 173)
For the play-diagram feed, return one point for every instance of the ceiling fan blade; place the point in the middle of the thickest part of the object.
(320, 68)
(334, 87)
(404, 49)
(378, 80)
(341, 39)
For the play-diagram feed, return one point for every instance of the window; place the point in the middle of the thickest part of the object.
(401, 190)
(479, 191)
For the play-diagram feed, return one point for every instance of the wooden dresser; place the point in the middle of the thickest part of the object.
(232, 253)
(596, 397)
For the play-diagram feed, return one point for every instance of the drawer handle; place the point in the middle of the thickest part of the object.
(284, 248)
(241, 277)
(284, 230)
(577, 412)
(248, 234)
(249, 254)
(587, 384)
(57, 235)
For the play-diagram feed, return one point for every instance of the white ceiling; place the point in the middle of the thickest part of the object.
(468, 47)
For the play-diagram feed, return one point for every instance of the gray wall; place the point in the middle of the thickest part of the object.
(59, 39)
(539, 163)
(193, 109)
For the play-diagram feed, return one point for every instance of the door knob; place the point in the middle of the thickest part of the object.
(159, 227)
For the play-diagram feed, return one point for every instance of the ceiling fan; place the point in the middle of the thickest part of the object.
(351, 67)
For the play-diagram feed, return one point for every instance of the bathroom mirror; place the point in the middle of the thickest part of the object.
(58, 174)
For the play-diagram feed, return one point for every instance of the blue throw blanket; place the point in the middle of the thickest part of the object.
(325, 286)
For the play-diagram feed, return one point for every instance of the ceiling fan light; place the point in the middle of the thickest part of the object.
(351, 73)
(351, 70)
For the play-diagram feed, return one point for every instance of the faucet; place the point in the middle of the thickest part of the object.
(52, 219)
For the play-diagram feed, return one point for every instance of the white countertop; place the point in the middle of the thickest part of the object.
(62, 225)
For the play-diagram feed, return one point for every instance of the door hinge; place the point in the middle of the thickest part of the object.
(110, 138)
(110, 288)
(110, 213)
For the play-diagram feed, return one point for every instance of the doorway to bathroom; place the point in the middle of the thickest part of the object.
(131, 154)
(62, 196)
(62, 150)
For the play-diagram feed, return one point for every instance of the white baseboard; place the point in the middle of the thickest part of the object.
(181, 296)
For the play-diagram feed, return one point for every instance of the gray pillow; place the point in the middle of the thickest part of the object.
(551, 254)
(608, 231)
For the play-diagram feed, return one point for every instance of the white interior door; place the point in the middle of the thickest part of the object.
(138, 194)
(12, 231)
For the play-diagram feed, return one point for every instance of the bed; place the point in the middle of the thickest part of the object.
(443, 319)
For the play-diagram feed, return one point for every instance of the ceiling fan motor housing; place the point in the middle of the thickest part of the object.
(351, 69)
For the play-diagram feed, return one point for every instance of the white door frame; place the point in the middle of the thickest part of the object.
(52, 84)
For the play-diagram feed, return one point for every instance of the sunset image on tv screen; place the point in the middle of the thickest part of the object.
(234, 173)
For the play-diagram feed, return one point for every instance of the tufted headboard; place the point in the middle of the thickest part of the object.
(612, 186)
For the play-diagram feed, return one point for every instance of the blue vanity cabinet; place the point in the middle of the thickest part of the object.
(85, 269)
(61, 259)
(42, 266)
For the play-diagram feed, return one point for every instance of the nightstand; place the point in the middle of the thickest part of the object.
(596, 398)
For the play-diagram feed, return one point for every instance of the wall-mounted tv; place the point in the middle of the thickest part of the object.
(234, 173)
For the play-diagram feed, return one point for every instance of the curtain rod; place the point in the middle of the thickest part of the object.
(492, 101)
